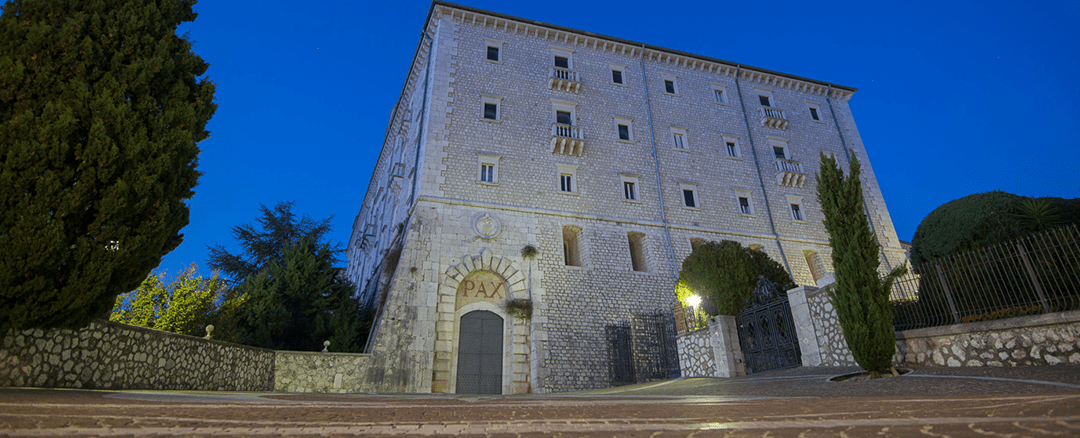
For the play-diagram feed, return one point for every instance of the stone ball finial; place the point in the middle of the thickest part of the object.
(326, 346)
(209, 330)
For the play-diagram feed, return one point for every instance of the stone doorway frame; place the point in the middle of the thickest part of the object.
(516, 365)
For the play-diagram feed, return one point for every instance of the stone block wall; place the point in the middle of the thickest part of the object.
(109, 355)
(1047, 339)
(696, 354)
(297, 371)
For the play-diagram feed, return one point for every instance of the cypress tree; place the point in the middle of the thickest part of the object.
(101, 108)
(861, 298)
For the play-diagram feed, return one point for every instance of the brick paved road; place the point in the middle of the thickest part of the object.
(1023, 408)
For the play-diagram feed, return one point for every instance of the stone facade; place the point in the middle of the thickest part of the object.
(696, 354)
(478, 163)
(109, 355)
(1030, 340)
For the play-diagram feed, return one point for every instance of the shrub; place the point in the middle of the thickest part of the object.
(725, 273)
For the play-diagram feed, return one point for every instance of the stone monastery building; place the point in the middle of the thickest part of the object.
(612, 159)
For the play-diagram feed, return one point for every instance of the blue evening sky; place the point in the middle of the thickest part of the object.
(955, 97)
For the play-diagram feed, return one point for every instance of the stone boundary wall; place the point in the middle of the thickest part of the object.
(696, 353)
(821, 339)
(298, 371)
(110, 355)
(1046, 339)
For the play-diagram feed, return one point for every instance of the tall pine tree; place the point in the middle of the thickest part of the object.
(101, 108)
(861, 298)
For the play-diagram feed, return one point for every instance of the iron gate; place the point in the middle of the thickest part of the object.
(643, 349)
(767, 330)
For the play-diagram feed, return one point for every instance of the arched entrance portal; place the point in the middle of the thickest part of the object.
(480, 353)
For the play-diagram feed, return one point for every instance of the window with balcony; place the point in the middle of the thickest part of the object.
(566, 137)
(562, 61)
(765, 100)
(778, 152)
(564, 117)
(563, 76)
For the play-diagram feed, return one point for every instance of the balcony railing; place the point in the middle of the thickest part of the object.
(567, 139)
(772, 117)
(564, 79)
(789, 173)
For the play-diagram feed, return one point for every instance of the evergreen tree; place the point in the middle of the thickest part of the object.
(861, 298)
(726, 273)
(298, 302)
(280, 228)
(101, 108)
(185, 305)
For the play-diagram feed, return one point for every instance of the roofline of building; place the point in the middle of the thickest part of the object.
(436, 3)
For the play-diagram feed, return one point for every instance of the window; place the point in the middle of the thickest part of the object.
(795, 202)
(493, 50)
(744, 205)
(719, 93)
(630, 187)
(731, 146)
(637, 250)
(813, 113)
(778, 152)
(563, 117)
(562, 61)
(571, 245)
(618, 74)
(490, 108)
(624, 129)
(779, 147)
(689, 194)
(678, 138)
(616, 77)
(764, 100)
(567, 179)
(796, 213)
(688, 198)
(671, 85)
(489, 168)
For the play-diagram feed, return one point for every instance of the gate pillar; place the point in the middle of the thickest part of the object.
(724, 334)
(804, 325)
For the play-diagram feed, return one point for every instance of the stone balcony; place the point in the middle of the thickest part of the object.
(567, 139)
(772, 117)
(789, 173)
(564, 79)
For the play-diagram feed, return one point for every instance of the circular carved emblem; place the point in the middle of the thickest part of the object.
(486, 225)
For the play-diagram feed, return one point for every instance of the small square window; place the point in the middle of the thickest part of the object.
(796, 213)
(563, 117)
(491, 111)
(719, 94)
(669, 86)
(487, 172)
(679, 143)
(616, 76)
(744, 205)
(764, 100)
(624, 132)
(492, 53)
(562, 62)
(566, 182)
(630, 191)
(813, 113)
(731, 149)
(688, 198)
(778, 152)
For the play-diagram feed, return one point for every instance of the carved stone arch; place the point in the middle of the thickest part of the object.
(450, 310)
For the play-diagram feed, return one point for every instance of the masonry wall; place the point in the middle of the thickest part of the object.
(109, 355)
(443, 137)
(1048, 339)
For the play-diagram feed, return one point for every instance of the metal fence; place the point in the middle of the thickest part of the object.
(1038, 273)
(643, 349)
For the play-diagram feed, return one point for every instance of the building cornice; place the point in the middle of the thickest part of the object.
(593, 41)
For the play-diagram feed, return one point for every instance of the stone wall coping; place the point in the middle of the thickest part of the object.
(319, 353)
(997, 324)
(691, 332)
(156, 332)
